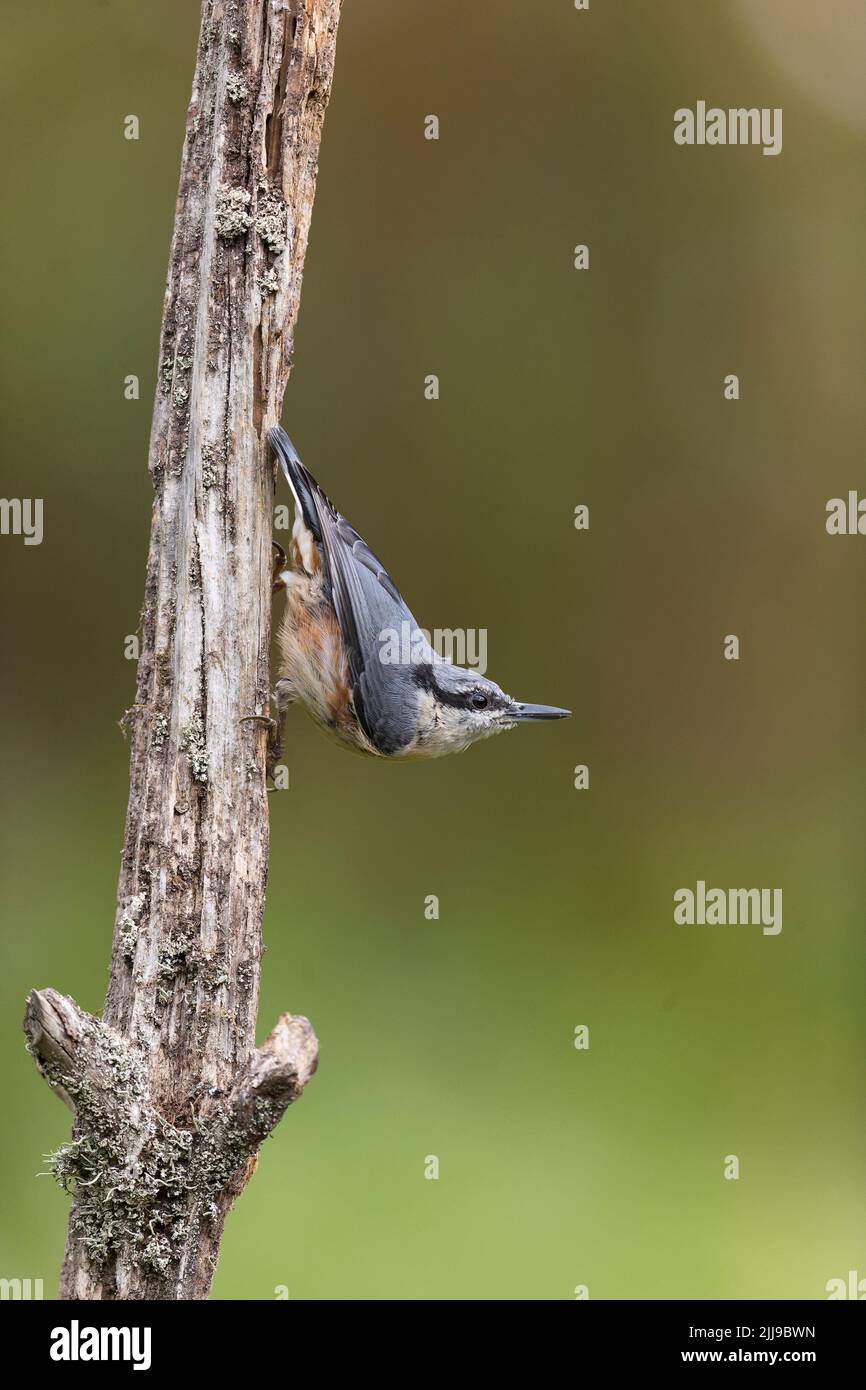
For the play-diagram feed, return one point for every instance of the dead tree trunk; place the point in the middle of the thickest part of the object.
(171, 1099)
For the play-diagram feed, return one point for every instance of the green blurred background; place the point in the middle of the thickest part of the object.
(455, 1037)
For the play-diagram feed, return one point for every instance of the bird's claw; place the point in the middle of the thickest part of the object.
(265, 719)
(281, 564)
(275, 738)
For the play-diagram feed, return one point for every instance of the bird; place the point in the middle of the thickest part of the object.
(336, 653)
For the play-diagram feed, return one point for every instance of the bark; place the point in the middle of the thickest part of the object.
(171, 1099)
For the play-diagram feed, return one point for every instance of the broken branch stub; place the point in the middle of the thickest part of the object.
(148, 1190)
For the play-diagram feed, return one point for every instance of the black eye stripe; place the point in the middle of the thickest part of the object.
(424, 676)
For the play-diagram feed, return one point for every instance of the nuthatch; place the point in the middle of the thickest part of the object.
(339, 602)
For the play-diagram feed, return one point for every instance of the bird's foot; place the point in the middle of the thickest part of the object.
(274, 750)
(282, 698)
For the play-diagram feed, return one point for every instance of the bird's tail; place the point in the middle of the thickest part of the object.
(299, 479)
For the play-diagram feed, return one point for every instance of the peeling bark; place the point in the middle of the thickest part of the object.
(168, 1081)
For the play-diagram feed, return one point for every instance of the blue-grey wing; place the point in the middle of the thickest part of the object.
(380, 635)
(378, 631)
(373, 618)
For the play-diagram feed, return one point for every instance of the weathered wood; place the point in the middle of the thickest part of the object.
(171, 1100)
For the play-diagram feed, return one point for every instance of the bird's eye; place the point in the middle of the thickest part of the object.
(479, 701)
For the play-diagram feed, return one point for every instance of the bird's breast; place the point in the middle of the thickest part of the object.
(315, 661)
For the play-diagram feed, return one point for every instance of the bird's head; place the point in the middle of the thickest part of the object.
(457, 706)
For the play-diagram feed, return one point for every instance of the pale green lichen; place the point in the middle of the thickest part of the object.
(194, 745)
(128, 925)
(231, 218)
(145, 1187)
(170, 958)
(159, 731)
(271, 216)
(212, 972)
(209, 466)
(236, 87)
(139, 1207)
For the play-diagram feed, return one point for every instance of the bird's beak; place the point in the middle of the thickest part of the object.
(521, 711)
